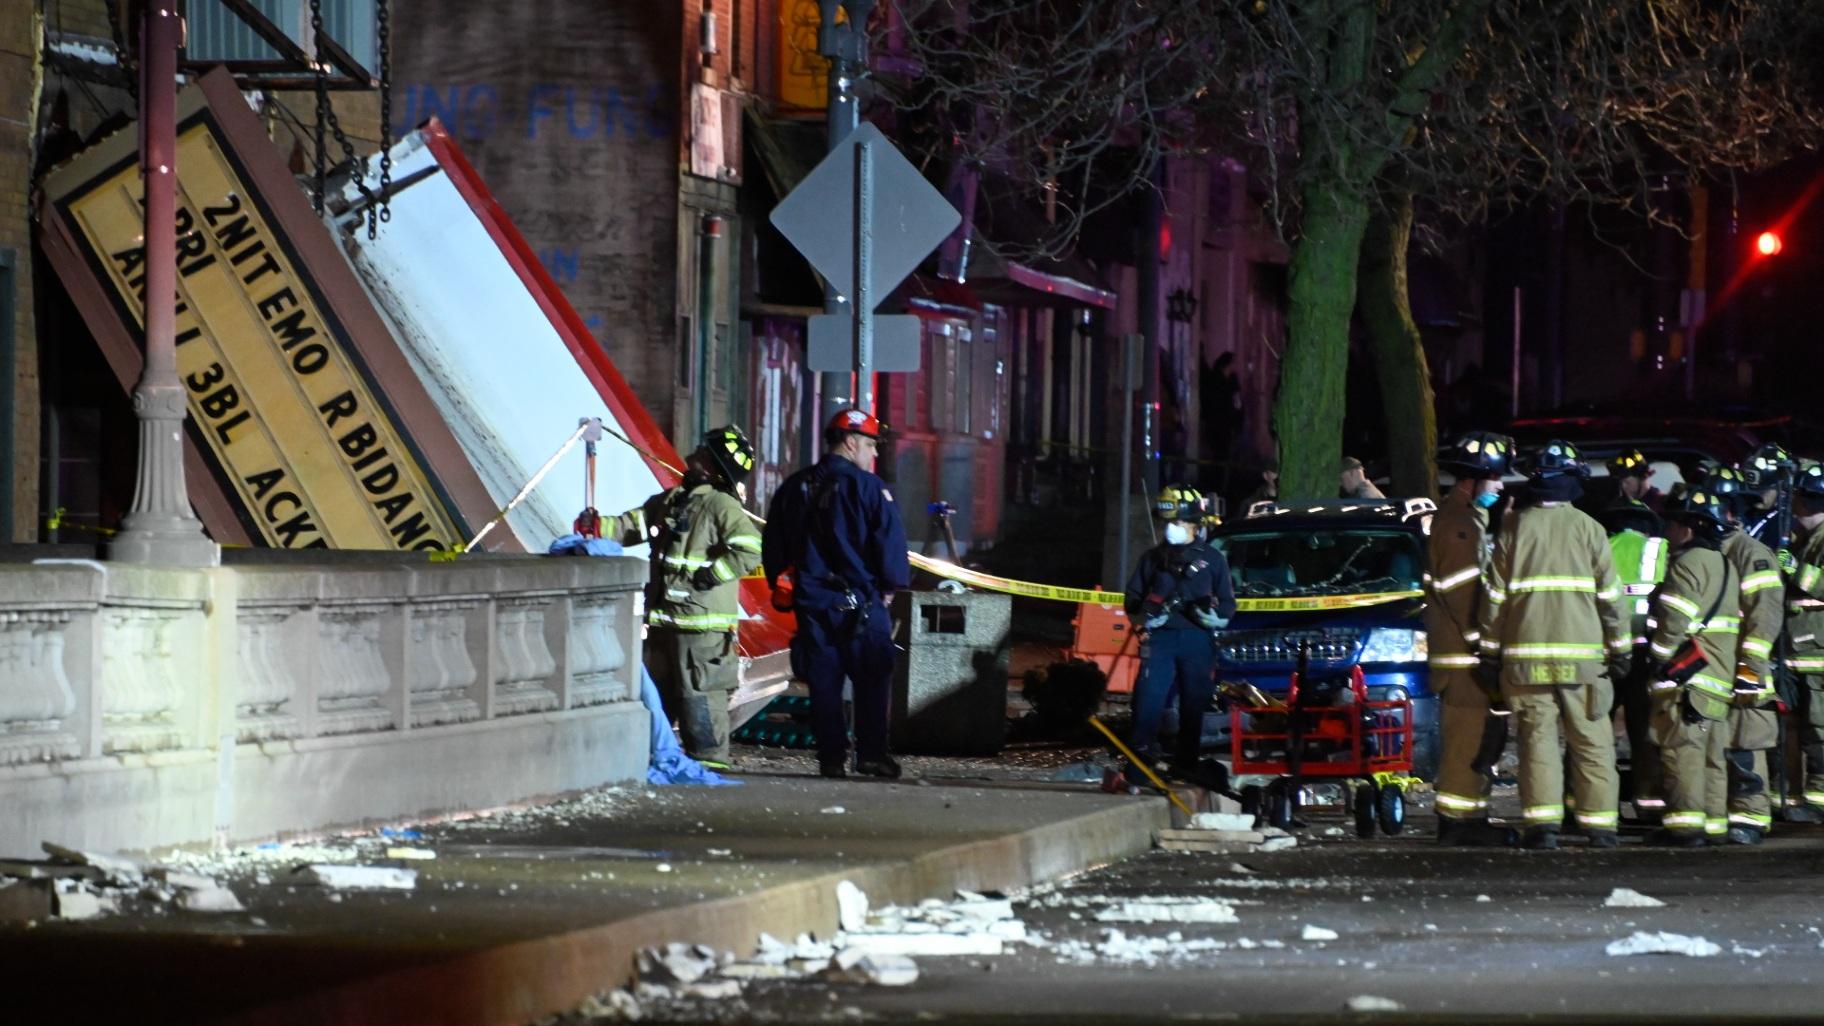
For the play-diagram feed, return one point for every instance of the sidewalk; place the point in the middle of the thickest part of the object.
(525, 912)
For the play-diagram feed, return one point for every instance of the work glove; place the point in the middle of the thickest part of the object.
(1205, 617)
(1620, 665)
(1789, 563)
(1687, 710)
(1154, 622)
(1487, 675)
(704, 579)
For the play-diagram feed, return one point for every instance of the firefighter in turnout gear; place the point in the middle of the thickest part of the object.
(1640, 562)
(702, 542)
(1766, 474)
(1693, 652)
(1470, 735)
(835, 533)
(1805, 628)
(1754, 718)
(1178, 595)
(1551, 623)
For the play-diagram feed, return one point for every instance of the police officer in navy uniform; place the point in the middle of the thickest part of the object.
(1178, 596)
(835, 534)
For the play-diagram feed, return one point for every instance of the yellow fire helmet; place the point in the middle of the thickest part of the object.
(1179, 502)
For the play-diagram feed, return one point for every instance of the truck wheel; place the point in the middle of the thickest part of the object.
(1391, 809)
(1364, 811)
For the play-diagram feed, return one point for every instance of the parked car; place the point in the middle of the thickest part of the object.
(1340, 579)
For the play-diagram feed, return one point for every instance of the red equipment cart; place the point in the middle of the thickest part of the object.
(1327, 729)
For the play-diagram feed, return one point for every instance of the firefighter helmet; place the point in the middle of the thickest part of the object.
(1762, 470)
(1557, 458)
(1697, 505)
(1179, 502)
(1629, 463)
(1727, 485)
(1810, 481)
(859, 422)
(1483, 455)
(731, 452)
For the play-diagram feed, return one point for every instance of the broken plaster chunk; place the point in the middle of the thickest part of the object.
(1372, 1003)
(1222, 821)
(675, 963)
(1169, 910)
(851, 906)
(832, 810)
(1318, 933)
(924, 944)
(119, 867)
(213, 898)
(420, 854)
(1627, 897)
(358, 878)
(1661, 943)
(882, 970)
(1278, 844)
(74, 902)
(713, 990)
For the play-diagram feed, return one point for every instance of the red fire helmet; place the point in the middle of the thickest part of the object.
(859, 421)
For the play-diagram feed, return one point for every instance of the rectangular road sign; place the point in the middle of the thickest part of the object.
(832, 343)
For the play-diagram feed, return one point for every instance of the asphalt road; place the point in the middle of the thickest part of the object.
(1449, 935)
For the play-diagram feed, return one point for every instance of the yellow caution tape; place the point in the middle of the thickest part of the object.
(1058, 593)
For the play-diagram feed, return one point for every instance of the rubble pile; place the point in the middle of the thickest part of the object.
(75, 885)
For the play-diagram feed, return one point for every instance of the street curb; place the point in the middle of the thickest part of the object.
(513, 984)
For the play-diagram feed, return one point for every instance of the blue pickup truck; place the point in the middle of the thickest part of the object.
(1344, 578)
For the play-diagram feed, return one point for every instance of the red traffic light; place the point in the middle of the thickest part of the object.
(1768, 244)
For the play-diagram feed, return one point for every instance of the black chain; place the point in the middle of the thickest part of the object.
(386, 111)
(326, 114)
(316, 27)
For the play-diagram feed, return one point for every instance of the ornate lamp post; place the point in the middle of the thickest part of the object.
(160, 529)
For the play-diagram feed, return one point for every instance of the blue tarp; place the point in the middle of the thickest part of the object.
(669, 764)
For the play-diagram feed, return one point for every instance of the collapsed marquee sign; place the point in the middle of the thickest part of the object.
(277, 352)
(346, 393)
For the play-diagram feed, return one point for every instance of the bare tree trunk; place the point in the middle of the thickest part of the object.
(1399, 351)
(1308, 412)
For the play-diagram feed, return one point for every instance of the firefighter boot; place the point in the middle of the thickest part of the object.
(1604, 839)
(1475, 833)
(1540, 839)
(1744, 835)
(884, 767)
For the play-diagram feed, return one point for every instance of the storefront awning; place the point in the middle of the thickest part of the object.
(1056, 282)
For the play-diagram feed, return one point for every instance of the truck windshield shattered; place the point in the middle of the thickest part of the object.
(1325, 561)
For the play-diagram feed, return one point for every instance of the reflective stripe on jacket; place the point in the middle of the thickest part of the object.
(1761, 600)
(1552, 609)
(1699, 579)
(702, 528)
(1453, 581)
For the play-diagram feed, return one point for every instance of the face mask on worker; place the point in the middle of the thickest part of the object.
(1179, 534)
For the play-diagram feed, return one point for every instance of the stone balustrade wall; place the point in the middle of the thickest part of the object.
(366, 686)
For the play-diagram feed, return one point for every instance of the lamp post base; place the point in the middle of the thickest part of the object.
(161, 530)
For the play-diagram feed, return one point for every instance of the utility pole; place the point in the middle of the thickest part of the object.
(846, 46)
(160, 529)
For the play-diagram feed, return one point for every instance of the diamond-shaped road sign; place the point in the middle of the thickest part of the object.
(908, 217)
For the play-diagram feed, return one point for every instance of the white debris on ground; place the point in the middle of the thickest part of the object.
(1222, 821)
(1372, 1003)
(1662, 943)
(76, 885)
(1317, 933)
(1168, 910)
(832, 810)
(357, 878)
(1627, 897)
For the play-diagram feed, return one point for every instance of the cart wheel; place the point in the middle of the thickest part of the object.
(1364, 811)
(1391, 808)
(1280, 805)
(1251, 802)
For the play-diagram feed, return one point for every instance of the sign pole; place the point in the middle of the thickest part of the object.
(846, 47)
(160, 528)
(864, 269)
